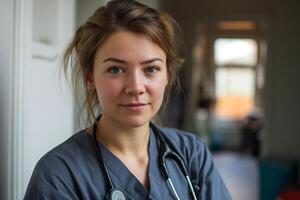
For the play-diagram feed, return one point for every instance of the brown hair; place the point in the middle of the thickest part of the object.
(119, 15)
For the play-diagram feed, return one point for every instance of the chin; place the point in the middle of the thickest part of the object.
(135, 122)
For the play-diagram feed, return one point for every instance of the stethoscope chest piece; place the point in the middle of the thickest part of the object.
(116, 194)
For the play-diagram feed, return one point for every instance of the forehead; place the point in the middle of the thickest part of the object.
(129, 46)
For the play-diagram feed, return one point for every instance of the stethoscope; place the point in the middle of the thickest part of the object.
(165, 152)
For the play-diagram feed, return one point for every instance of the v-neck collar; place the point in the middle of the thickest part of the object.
(125, 180)
(123, 177)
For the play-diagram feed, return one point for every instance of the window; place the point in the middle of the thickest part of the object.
(235, 52)
(235, 61)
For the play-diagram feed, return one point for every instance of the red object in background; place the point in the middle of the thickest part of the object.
(290, 195)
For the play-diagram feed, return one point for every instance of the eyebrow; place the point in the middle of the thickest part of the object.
(112, 59)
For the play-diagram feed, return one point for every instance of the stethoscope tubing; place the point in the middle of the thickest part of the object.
(100, 158)
(164, 154)
(114, 193)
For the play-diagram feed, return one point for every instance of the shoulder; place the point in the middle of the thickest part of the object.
(189, 146)
(59, 165)
(193, 150)
(183, 139)
(180, 134)
(67, 151)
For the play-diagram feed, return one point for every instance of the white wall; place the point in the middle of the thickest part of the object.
(36, 107)
(6, 62)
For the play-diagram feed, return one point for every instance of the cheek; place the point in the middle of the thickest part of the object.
(158, 89)
(108, 91)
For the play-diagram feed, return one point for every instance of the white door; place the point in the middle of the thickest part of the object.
(43, 106)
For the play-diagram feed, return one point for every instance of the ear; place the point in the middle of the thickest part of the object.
(90, 85)
(90, 82)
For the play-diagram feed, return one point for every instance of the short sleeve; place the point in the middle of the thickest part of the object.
(51, 179)
(41, 190)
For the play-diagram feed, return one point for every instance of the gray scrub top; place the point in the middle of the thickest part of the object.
(71, 171)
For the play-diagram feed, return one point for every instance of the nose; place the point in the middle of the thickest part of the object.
(135, 84)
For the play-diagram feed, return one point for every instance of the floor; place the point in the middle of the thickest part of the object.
(240, 174)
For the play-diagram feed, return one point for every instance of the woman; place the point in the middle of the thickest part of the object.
(126, 55)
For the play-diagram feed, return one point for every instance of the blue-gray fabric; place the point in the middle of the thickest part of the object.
(71, 171)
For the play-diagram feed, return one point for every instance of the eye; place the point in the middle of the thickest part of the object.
(152, 69)
(115, 70)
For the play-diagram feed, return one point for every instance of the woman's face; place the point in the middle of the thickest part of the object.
(130, 76)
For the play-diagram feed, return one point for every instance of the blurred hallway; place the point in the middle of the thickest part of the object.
(240, 173)
(35, 33)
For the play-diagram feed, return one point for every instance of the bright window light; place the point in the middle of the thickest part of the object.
(235, 52)
(235, 92)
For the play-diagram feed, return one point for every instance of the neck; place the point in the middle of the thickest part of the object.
(123, 140)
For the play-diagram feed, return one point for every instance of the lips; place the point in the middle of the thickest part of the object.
(135, 106)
